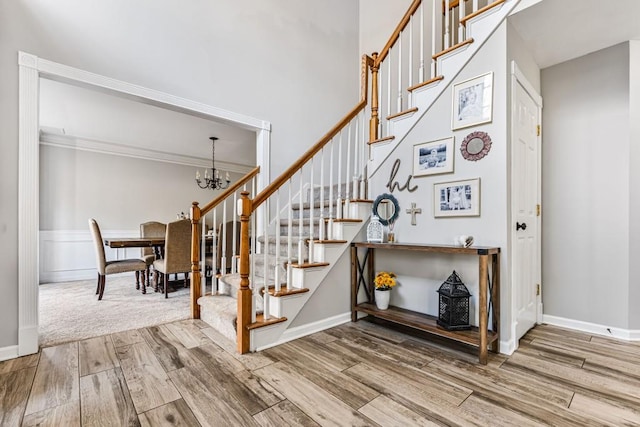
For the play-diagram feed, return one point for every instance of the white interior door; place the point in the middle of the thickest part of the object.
(525, 196)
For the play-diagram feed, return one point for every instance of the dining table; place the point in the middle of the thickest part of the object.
(157, 243)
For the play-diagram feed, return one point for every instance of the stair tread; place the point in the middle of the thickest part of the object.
(347, 220)
(402, 113)
(452, 48)
(310, 265)
(261, 322)
(385, 139)
(425, 83)
(284, 291)
(325, 242)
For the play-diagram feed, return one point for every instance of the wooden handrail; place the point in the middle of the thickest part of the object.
(396, 34)
(287, 174)
(452, 4)
(229, 191)
(480, 11)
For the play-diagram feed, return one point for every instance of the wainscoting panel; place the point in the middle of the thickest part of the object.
(70, 255)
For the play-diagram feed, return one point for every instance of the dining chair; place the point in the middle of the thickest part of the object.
(111, 267)
(148, 255)
(177, 254)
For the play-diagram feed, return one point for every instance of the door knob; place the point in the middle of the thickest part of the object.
(522, 226)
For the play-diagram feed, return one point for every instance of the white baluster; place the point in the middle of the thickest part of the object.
(277, 228)
(223, 259)
(339, 187)
(300, 221)
(461, 14)
(446, 24)
(265, 271)
(348, 174)
(399, 103)
(389, 57)
(252, 259)
(289, 233)
(421, 73)
(322, 187)
(356, 154)
(436, 34)
(312, 208)
(475, 6)
(234, 242)
(410, 55)
(329, 236)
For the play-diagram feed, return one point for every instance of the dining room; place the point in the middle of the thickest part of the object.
(123, 163)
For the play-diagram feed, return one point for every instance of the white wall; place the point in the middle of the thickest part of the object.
(586, 188)
(132, 191)
(420, 275)
(289, 62)
(378, 19)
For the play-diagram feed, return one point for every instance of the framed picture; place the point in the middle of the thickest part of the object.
(472, 102)
(459, 198)
(430, 158)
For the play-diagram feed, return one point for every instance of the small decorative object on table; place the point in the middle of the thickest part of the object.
(463, 241)
(374, 230)
(384, 281)
(454, 304)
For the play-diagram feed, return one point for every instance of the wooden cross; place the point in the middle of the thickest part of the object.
(413, 211)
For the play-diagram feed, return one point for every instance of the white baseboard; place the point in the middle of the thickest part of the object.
(308, 329)
(593, 328)
(507, 347)
(9, 352)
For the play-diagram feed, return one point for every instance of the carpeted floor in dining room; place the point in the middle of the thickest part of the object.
(71, 311)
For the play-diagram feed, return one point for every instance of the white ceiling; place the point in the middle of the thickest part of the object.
(558, 30)
(90, 115)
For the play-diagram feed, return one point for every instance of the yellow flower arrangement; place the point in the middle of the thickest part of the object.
(385, 280)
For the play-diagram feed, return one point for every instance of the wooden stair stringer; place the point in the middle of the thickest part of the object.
(292, 305)
(480, 28)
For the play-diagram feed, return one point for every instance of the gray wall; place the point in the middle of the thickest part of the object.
(290, 62)
(587, 190)
(634, 183)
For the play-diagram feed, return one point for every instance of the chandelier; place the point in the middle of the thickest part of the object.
(212, 179)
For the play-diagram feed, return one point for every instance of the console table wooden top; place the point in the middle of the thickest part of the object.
(471, 250)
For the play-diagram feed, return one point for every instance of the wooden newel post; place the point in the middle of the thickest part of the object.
(375, 120)
(244, 293)
(195, 260)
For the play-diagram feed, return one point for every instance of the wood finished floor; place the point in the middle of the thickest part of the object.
(357, 374)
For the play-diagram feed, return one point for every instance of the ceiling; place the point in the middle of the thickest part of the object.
(89, 116)
(559, 30)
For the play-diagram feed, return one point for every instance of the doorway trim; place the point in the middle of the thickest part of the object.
(30, 69)
(519, 78)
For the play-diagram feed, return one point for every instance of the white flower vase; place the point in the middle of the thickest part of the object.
(382, 299)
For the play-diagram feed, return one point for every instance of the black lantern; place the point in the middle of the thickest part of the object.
(454, 304)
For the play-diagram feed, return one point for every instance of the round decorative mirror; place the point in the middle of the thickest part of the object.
(475, 146)
(386, 208)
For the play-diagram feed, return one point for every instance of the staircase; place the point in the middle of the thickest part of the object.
(292, 231)
(220, 310)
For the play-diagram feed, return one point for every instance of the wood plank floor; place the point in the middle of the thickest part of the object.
(357, 374)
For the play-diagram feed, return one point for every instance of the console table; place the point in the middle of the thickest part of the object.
(363, 274)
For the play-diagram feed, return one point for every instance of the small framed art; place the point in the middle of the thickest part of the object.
(472, 102)
(430, 158)
(457, 198)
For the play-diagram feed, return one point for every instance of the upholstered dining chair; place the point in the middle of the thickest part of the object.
(111, 267)
(148, 255)
(177, 254)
